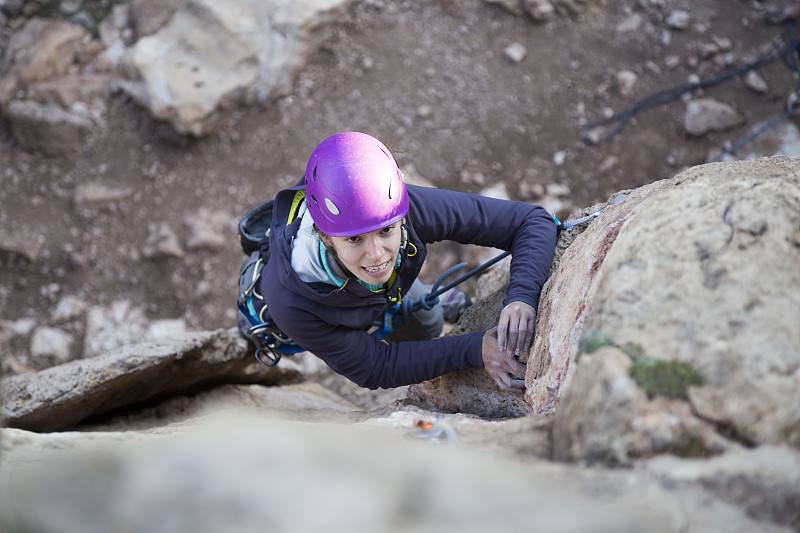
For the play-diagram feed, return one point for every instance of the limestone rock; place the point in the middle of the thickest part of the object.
(61, 396)
(40, 50)
(49, 127)
(51, 344)
(207, 230)
(69, 307)
(706, 114)
(606, 417)
(597, 409)
(764, 481)
(471, 391)
(213, 53)
(115, 37)
(755, 82)
(162, 242)
(631, 23)
(556, 343)
(539, 10)
(112, 326)
(516, 52)
(211, 475)
(304, 401)
(71, 89)
(23, 242)
(625, 80)
(760, 411)
(678, 20)
(94, 195)
(717, 249)
(149, 16)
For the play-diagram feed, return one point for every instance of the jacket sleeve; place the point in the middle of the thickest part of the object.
(372, 363)
(528, 231)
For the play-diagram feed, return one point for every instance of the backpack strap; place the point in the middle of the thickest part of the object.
(297, 201)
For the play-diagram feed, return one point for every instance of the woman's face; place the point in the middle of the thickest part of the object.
(370, 257)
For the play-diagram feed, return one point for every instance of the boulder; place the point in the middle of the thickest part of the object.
(64, 395)
(605, 416)
(699, 273)
(214, 53)
(49, 127)
(51, 345)
(706, 114)
(71, 89)
(40, 50)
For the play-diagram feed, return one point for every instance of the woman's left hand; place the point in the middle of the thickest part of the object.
(516, 327)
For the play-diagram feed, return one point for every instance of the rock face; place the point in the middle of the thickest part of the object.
(64, 395)
(213, 53)
(472, 391)
(701, 270)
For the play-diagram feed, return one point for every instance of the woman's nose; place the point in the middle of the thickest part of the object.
(374, 248)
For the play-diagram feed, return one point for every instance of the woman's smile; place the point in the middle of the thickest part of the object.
(370, 256)
(375, 270)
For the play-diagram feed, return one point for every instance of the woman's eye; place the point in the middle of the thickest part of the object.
(386, 231)
(353, 240)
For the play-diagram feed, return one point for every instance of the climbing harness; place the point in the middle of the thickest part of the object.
(270, 342)
(783, 46)
(268, 339)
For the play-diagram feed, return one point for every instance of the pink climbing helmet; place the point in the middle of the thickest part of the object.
(353, 185)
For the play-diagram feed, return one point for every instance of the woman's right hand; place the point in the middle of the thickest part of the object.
(505, 369)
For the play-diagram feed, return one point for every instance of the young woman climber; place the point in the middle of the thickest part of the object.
(346, 246)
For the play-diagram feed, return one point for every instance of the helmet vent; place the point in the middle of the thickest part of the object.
(314, 174)
(331, 206)
(315, 199)
(391, 187)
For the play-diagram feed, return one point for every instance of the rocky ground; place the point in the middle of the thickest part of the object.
(131, 232)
